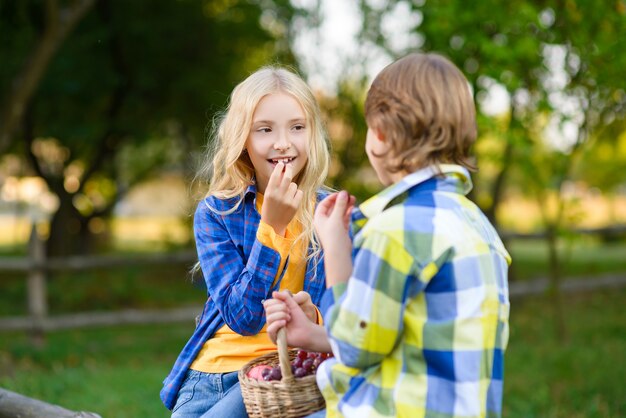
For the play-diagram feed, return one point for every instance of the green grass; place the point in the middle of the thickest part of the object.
(117, 372)
(583, 377)
(585, 257)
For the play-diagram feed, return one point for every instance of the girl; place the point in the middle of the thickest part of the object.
(254, 235)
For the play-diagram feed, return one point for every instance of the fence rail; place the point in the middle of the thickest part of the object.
(13, 405)
(36, 267)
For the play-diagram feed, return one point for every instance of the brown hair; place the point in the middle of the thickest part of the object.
(423, 106)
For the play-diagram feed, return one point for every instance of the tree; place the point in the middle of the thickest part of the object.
(514, 45)
(129, 92)
(57, 25)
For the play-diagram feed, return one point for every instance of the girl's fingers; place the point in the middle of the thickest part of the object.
(275, 178)
(292, 189)
(287, 178)
(297, 199)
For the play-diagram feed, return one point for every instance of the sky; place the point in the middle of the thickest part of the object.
(332, 50)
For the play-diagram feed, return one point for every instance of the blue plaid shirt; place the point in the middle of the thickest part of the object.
(239, 271)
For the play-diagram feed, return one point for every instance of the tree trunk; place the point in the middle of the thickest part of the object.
(68, 229)
(554, 287)
(14, 405)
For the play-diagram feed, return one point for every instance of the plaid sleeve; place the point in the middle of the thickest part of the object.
(237, 286)
(361, 332)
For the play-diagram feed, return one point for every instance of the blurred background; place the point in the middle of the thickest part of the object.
(105, 110)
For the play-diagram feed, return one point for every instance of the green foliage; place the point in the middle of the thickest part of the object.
(516, 44)
(129, 92)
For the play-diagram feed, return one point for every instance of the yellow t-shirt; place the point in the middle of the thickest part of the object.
(228, 351)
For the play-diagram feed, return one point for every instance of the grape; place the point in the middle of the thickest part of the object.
(275, 374)
(308, 362)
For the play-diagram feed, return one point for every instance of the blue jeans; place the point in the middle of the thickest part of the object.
(209, 395)
(318, 414)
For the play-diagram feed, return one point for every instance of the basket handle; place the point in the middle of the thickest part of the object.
(283, 355)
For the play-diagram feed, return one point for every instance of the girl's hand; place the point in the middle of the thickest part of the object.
(303, 299)
(332, 222)
(281, 199)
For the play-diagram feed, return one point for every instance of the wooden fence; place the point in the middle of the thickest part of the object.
(14, 405)
(36, 267)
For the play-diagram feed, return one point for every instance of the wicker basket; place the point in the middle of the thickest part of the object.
(287, 398)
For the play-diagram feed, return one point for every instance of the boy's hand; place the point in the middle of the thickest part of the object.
(281, 199)
(283, 311)
(303, 299)
(332, 222)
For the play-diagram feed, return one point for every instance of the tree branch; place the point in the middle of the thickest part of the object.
(58, 24)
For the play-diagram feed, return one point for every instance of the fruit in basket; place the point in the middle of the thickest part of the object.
(300, 372)
(274, 374)
(306, 363)
(258, 372)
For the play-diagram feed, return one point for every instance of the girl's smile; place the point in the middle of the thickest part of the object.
(284, 160)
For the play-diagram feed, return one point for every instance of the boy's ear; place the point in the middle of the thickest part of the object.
(379, 135)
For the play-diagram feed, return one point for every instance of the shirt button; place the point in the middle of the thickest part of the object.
(362, 324)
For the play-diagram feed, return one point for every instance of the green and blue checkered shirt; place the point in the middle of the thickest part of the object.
(421, 327)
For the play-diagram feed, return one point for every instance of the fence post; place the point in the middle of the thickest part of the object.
(37, 289)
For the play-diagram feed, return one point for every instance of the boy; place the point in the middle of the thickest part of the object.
(416, 312)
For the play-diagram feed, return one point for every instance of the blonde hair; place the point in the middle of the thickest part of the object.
(229, 169)
(423, 106)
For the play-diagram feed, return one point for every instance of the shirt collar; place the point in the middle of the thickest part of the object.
(377, 203)
(250, 189)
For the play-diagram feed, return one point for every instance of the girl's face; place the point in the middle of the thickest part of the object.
(279, 133)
